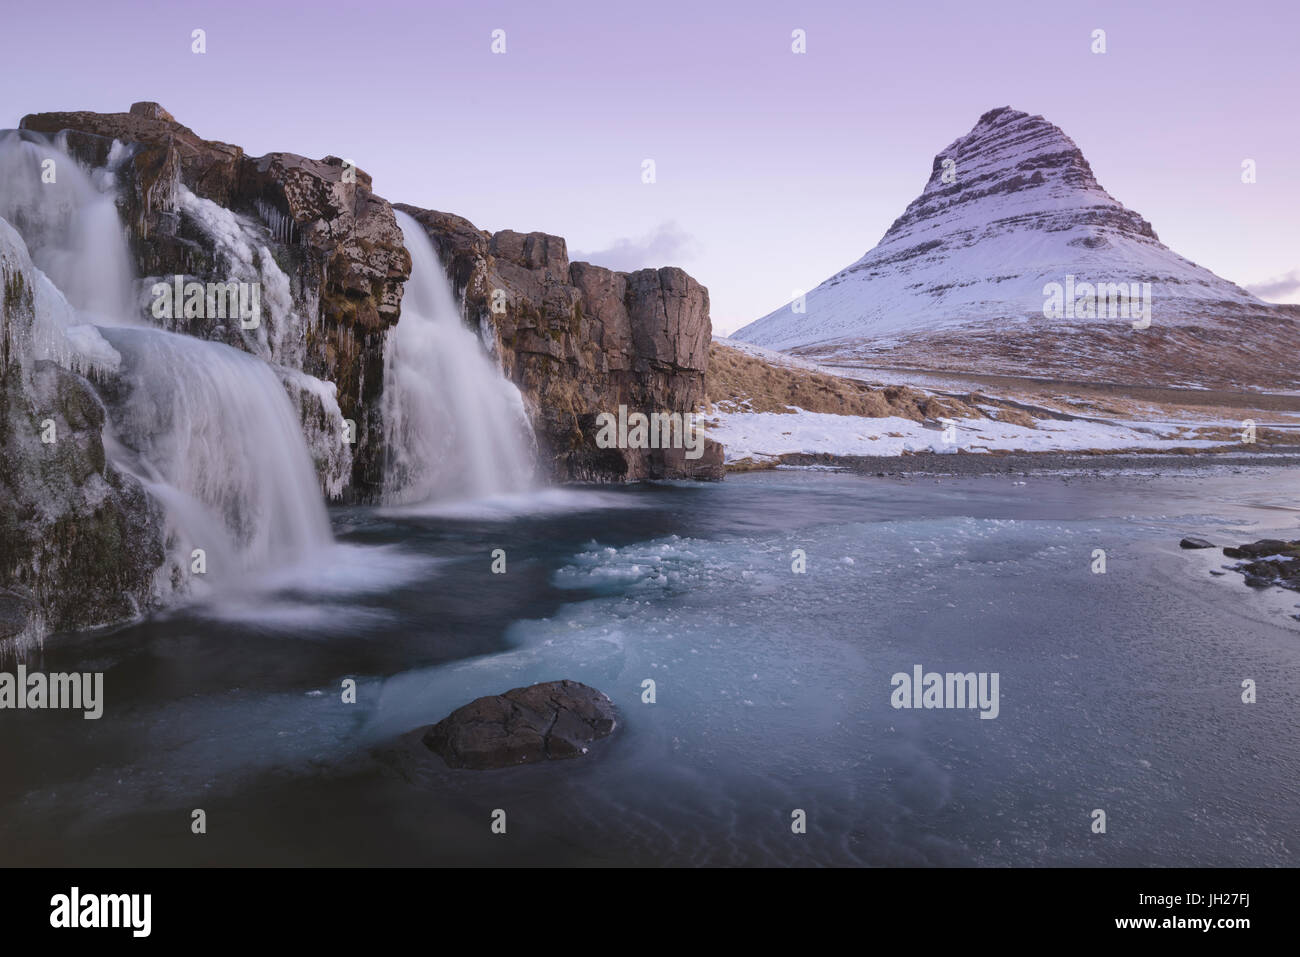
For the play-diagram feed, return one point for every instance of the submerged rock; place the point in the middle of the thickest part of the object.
(555, 719)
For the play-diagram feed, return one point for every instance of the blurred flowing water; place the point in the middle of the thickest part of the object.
(455, 427)
(207, 428)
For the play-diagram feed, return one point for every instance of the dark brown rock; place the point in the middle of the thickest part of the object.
(1191, 542)
(580, 340)
(555, 719)
(208, 167)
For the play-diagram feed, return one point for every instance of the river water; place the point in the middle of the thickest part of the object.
(1119, 691)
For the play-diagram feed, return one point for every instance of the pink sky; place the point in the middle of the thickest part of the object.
(774, 170)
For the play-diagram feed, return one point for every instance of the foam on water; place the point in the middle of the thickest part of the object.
(319, 596)
(508, 506)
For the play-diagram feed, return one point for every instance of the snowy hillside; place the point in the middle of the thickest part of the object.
(1009, 208)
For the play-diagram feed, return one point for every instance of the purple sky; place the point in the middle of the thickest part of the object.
(774, 170)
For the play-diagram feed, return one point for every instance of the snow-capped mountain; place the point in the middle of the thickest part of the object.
(962, 280)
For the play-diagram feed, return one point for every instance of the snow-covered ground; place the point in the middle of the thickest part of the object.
(762, 436)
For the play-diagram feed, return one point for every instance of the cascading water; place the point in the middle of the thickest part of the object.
(240, 248)
(455, 427)
(71, 227)
(208, 429)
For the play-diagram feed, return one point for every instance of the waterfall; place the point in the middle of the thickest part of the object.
(455, 428)
(72, 229)
(208, 429)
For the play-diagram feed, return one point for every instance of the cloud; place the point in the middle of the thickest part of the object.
(665, 245)
(1283, 288)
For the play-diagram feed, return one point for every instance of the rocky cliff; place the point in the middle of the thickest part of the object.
(82, 541)
(580, 340)
(328, 237)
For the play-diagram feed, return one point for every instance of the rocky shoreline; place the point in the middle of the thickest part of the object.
(1269, 561)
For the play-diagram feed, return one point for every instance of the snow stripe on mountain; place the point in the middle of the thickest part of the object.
(1019, 208)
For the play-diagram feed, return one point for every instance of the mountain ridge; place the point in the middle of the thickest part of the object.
(1008, 208)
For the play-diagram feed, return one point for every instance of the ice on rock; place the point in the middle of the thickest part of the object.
(316, 402)
(50, 329)
(281, 336)
(283, 227)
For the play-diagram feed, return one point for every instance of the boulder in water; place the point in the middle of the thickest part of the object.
(1191, 542)
(554, 719)
(1270, 561)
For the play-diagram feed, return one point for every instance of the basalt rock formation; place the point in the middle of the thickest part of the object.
(580, 340)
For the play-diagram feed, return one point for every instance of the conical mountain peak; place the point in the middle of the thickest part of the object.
(1019, 165)
(1011, 212)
